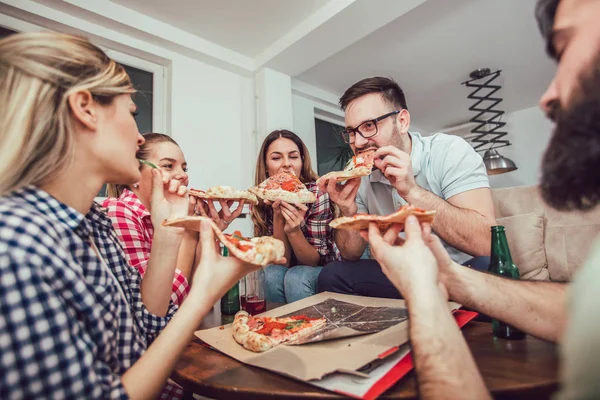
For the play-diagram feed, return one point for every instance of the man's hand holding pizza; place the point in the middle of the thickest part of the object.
(344, 196)
(396, 165)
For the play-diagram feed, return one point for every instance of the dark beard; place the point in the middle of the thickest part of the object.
(571, 164)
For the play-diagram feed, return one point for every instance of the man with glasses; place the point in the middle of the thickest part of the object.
(439, 172)
(554, 311)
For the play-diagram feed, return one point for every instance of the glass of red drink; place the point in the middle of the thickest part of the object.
(253, 299)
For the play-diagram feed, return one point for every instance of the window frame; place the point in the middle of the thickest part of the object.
(159, 73)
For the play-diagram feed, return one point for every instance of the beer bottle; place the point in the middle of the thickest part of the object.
(230, 302)
(502, 264)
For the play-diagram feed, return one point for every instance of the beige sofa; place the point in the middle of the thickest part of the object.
(545, 244)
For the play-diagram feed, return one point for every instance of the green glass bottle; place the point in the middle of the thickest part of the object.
(502, 264)
(230, 302)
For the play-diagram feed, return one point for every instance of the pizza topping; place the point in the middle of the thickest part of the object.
(240, 242)
(289, 186)
(270, 326)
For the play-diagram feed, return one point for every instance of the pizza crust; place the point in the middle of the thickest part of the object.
(362, 221)
(224, 193)
(244, 336)
(341, 176)
(351, 171)
(305, 196)
(256, 342)
(301, 195)
(266, 249)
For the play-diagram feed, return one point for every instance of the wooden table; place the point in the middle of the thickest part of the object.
(524, 369)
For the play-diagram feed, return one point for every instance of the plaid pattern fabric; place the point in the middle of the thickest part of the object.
(316, 227)
(69, 326)
(133, 225)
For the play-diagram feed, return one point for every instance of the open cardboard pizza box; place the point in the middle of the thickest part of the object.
(315, 360)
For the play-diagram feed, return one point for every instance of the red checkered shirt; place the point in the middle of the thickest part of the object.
(316, 227)
(134, 228)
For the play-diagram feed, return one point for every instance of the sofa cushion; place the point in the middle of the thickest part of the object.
(525, 235)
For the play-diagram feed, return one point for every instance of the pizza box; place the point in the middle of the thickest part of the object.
(313, 361)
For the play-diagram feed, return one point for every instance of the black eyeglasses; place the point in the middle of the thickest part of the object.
(367, 129)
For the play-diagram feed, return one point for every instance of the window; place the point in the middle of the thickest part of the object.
(332, 152)
(148, 78)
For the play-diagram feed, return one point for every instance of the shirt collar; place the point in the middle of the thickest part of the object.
(63, 214)
(131, 199)
(416, 154)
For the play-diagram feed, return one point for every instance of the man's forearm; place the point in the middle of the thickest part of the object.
(538, 308)
(466, 230)
(444, 365)
(350, 244)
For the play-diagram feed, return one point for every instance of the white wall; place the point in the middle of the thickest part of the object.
(211, 110)
(308, 103)
(529, 132)
(304, 123)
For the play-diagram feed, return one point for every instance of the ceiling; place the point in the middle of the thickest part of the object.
(431, 50)
(245, 26)
(428, 46)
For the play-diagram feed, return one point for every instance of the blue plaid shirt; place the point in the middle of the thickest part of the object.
(69, 326)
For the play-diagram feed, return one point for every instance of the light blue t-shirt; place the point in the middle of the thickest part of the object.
(445, 165)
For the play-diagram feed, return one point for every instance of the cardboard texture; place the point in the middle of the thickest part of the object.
(315, 360)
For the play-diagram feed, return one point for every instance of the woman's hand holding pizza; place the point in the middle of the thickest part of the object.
(277, 215)
(224, 216)
(169, 198)
(215, 274)
(293, 215)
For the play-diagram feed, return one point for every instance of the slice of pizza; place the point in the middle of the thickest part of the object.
(361, 221)
(284, 186)
(263, 250)
(224, 193)
(360, 165)
(260, 334)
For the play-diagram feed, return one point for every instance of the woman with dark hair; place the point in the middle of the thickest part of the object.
(130, 209)
(304, 229)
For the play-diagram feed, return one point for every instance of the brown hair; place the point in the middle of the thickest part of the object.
(38, 73)
(388, 88)
(142, 154)
(261, 173)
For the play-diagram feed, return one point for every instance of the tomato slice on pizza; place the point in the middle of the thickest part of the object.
(263, 250)
(360, 165)
(260, 334)
(284, 186)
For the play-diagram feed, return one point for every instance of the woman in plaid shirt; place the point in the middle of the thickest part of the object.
(76, 320)
(129, 207)
(304, 229)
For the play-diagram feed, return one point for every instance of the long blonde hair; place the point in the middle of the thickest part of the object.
(307, 174)
(113, 190)
(38, 72)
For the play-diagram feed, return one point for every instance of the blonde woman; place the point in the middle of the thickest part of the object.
(130, 207)
(304, 228)
(76, 320)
